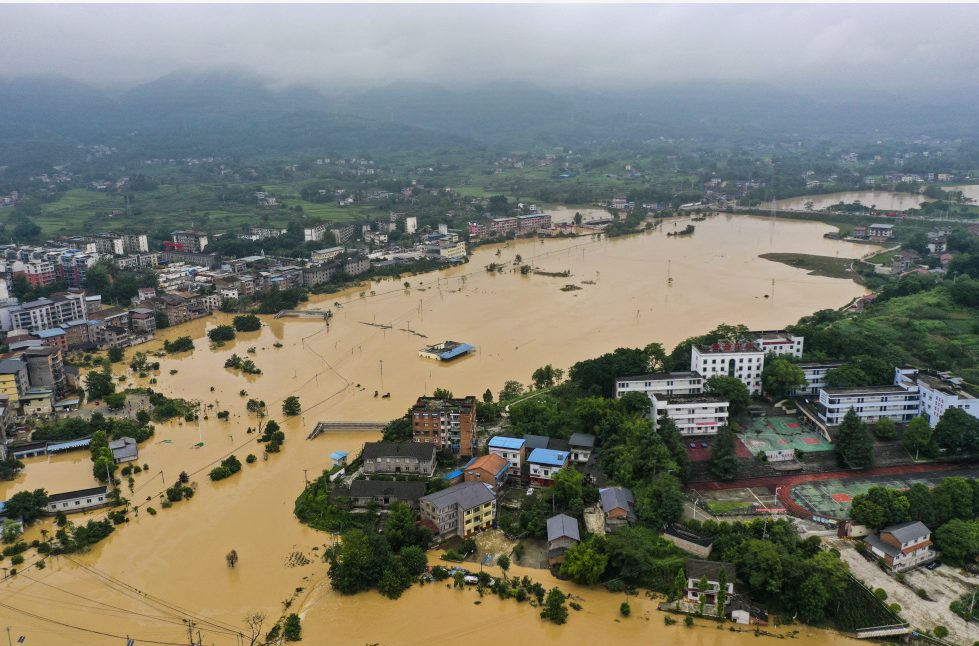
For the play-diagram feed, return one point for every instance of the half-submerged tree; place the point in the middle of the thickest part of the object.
(231, 558)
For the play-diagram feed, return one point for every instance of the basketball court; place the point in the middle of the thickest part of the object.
(779, 433)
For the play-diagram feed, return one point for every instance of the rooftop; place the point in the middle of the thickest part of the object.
(549, 457)
(417, 450)
(663, 376)
(492, 463)
(504, 442)
(562, 526)
(683, 533)
(404, 490)
(695, 399)
(582, 439)
(728, 346)
(866, 390)
(697, 568)
(909, 531)
(466, 494)
(80, 493)
(617, 498)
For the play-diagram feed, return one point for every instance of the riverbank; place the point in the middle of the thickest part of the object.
(818, 265)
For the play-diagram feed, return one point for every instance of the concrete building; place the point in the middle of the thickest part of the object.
(815, 373)
(662, 383)
(938, 392)
(399, 457)
(489, 469)
(880, 232)
(902, 546)
(189, 241)
(45, 313)
(325, 255)
(871, 403)
(742, 359)
(562, 535)
(618, 507)
(14, 381)
(581, 446)
(461, 510)
(693, 414)
(510, 449)
(411, 225)
(697, 569)
(448, 424)
(688, 541)
(778, 342)
(77, 500)
(544, 464)
(46, 369)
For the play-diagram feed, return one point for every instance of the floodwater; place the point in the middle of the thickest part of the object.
(883, 200)
(565, 214)
(158, 570)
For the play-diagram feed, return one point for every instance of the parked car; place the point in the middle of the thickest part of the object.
(934, 565)
(693, 445)
(704, 444)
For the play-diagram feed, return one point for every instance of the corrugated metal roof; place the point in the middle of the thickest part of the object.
(503, 442)
(548, 456)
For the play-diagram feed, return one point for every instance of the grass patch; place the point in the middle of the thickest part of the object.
(728, 506)
(816, 265)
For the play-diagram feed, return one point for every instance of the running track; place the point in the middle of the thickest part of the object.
(786, 483)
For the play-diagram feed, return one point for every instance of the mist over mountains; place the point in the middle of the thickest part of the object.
(234, 113)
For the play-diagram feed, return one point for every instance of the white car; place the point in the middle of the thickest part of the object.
(530, 491)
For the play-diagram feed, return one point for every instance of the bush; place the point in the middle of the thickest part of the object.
(180, 344)
(221, 333)
(881, 594)
(251, 458)
(247, 323)
(688, 621)
(292, 630)
(940, 631)
(229, 466)
(624, 609)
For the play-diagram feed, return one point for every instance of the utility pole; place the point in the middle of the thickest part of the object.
(9, 643)
(306, 477)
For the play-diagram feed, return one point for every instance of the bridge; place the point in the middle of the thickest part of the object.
(345, 427)
(305, 314)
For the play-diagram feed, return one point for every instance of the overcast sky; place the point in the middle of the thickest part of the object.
(892, 48)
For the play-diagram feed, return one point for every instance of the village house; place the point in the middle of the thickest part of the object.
(581, 446)
(687, 540)
(461, 510)
(399, 457)
(902, 546)
(544, 464)
(384, 493)
(124, 450)
(618, 507)
(79, 500)
(697, 570)
(511, 449)
(490, 469)
(562, 535)
(880, 232)
(903, 262)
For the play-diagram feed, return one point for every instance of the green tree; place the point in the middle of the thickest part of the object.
(414, 560)
(115, 401)
(554, 609)
(880, 507)
(442, 393)
(918, 437)
(115, 354)
(291, 406)
(702, 588)
(99, 383)
(247, 323)
(848, 376)
(958, 540)
(545, 377)
(292, 629)
(488, 396)
(401, 529)
(585, 562)
(780, 377)
(358, 561)
(511, 390)
(678, 589)
(27, 505)
(731, 389)
(720, 600)
(569, 486)
(504, 562)
(854, 444)
(723, 455)
(659, 502)
(885, 429)
(957, 431)
(221, 333)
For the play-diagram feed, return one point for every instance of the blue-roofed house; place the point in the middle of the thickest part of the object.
(544, 464)
(490, 469)
(339, 458)
(510, 449)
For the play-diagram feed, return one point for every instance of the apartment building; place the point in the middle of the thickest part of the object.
(778, 342)
(399, 457)
(661, 383)
(45, 313)
(742, 359)
(448, 424)
(692, 414)
(461, 510)
(871, 403)
(189, 241)
(815, 373)
(939, 391)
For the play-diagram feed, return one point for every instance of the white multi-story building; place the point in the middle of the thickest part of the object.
(411, 224)
(315, 233)
(661, 383)
(744, 360)
(692, 414)
(871, 403)
(815, 373)
(45, 313)
(510, 449)
(778, 342)
(939, 391)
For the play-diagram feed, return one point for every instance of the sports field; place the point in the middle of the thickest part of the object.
(782, 432)
(832, 498)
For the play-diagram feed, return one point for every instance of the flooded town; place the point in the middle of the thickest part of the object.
(429, 324)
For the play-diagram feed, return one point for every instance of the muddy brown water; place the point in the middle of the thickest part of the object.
(156, 571)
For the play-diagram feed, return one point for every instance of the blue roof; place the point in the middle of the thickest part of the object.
(462, 348)
(338, 455)
(51, 332)
(74, 444)
(3, 507)
(548, 456)
(503, 442)
(453, 475)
